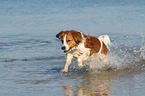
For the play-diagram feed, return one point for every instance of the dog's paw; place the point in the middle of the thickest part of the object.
(80, 66)
(64, 71)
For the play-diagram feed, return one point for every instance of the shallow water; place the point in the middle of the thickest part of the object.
(31, 57)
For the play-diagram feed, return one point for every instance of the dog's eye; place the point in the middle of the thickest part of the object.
(68, 40)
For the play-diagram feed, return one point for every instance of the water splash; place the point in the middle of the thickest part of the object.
(130, 58)
(142, 49)
(122, 57)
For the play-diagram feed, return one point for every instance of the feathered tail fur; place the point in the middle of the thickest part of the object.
(105, 39)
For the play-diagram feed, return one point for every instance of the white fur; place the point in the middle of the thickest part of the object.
(105, 39)
(65, 43)
(101, 45)
(81, 52)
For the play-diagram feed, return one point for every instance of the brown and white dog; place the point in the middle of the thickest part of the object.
(77, 44)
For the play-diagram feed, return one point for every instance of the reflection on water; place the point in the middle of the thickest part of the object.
(93, 85)
(111, 83)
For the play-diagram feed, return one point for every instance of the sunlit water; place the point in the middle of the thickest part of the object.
(31, 58)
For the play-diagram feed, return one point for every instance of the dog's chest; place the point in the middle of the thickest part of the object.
(80, 50)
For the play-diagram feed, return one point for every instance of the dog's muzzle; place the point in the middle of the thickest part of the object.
(63, 48)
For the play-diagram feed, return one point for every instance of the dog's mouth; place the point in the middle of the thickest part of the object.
(66, 51)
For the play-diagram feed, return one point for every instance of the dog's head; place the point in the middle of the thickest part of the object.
(70, 39)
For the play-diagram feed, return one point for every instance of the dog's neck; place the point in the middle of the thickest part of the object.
(80, 50)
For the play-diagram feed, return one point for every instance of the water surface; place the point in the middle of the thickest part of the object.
(31, 57)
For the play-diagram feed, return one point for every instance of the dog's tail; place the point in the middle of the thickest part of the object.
(105, 39)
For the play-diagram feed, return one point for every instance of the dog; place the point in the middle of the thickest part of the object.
(77, 44)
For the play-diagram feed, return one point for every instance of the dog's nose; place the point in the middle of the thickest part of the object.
(63, 47)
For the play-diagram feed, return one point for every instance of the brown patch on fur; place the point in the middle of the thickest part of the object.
(104, 50)
(93, 43)
(60, 34)
(73, 37)
(77, 36)
(70, 40)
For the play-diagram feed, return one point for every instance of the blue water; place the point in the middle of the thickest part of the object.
(31, 58)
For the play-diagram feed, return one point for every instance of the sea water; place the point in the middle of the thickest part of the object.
(31, 58)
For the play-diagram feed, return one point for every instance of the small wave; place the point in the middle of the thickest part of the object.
(33, 59)
(53, 70)
(43, 58)
(32, 42)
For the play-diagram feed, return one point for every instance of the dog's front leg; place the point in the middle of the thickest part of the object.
(83, 57)
(80, 64)
(80, 60)
(68, 62)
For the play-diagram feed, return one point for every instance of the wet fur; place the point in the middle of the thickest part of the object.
(81, 46)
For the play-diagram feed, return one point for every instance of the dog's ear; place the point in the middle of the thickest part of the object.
(86, 36)
(77, 37)
(60, 34)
